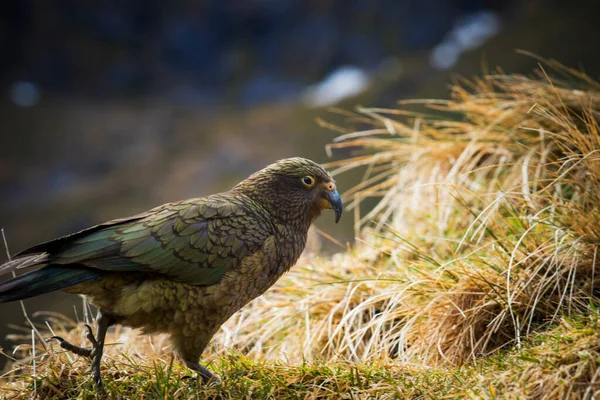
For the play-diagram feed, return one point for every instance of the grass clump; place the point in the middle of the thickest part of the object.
(137, 366)
(561, 363)
(487, 230)
(474, 275)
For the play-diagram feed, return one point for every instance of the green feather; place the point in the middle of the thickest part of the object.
(133, 228)
(96, 236)
(133, 235)
(145, 246)
(84, 250)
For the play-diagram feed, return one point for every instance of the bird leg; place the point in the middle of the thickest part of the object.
(98, 344)
(202, 371)
(95, 353)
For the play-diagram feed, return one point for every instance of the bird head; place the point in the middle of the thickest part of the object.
(293, 189)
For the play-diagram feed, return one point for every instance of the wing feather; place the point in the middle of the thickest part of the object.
(194, 241)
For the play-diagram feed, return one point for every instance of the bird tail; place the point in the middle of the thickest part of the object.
(48, 279)
(23, 262)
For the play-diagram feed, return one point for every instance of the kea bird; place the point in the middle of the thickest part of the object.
(185, 267)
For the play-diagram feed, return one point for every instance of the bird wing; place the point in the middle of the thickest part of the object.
(193, 241)
(37, 256)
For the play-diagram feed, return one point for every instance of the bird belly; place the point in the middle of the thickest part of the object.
(160, 305)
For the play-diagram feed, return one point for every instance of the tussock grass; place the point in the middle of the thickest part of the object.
(487, 230)
(475, 274)
(560, 363)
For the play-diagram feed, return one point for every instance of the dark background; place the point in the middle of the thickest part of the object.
(108, 108)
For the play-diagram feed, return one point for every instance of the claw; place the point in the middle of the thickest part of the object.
(213, 379)
(205, 379)
(90, 335)
(203, 372)
(80, 351)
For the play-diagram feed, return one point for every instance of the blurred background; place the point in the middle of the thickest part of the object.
(108, 108)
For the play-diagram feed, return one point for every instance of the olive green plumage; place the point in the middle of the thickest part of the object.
(185, 267)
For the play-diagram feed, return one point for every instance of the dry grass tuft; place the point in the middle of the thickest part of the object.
(487, 230)
(561, 364)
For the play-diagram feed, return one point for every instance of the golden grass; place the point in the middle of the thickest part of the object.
(561, 364)
(139, 366)
(484, 239)
(487, 229)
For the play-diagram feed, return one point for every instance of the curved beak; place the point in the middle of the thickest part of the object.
(335, 202)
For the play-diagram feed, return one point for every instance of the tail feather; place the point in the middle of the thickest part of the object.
(48, 279)
(23, 262)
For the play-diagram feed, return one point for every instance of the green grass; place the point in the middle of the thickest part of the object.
(246, 378)
(546, 365)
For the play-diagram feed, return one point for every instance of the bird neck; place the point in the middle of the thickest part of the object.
(291, 223)
(291, 212)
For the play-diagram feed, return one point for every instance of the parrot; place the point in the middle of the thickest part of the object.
(185, 267)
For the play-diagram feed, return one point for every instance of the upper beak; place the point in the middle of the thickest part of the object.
(335, 201)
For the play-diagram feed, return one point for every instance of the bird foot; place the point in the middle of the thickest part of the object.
(95, 353)
(198, 379)
(80, 351)
(203, 373)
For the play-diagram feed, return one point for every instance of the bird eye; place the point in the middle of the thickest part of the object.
(308, 181)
